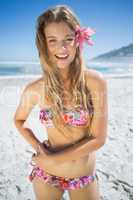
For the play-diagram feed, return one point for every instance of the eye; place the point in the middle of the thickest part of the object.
(52, 41)
(70, 39)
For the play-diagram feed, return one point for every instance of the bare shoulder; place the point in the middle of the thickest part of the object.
(95, 79)
(31, 96)
(34, 86)
(33, 89)
(94, 75)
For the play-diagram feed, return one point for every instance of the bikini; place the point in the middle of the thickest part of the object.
(75, 118)
(72, 117)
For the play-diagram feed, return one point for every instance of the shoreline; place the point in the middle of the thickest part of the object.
(26, 76)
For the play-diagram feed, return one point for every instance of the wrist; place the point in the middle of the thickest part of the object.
(41, 148)
(38, 148)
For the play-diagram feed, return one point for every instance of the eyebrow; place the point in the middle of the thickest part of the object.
(51, 36)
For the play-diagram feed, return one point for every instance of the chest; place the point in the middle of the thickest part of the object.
(74, 117)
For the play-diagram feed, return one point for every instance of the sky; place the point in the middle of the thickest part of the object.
(112, 20)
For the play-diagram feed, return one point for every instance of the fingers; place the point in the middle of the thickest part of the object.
(33, 156)
(46, 142)
(33, 159)
(39, 149)
(43, 148)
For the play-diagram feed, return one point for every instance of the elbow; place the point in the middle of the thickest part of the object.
(18, 123)
(100, 143)
(15, 120)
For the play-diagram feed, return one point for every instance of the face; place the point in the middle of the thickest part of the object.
(61, 45)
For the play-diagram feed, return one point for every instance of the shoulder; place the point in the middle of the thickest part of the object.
(33, 90)
(95, 79)
(34, 85)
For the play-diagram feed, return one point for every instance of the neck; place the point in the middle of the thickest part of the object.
(64, 74)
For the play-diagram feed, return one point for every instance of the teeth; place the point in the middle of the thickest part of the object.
(62, 56)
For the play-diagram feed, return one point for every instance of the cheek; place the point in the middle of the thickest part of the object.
(72, 53)
(51, 53)
(51, 50)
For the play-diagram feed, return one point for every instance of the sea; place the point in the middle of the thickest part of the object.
(24, 69)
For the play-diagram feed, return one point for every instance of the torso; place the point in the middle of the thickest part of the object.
(74, 168)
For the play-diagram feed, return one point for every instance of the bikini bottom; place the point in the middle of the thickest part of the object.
(62, 182)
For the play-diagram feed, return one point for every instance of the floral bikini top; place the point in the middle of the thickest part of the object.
(72, 117)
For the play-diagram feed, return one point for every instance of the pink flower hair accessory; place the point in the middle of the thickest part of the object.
(83, 35)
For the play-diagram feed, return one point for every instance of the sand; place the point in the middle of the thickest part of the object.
(114, 159)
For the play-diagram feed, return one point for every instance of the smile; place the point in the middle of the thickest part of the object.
(61, 56)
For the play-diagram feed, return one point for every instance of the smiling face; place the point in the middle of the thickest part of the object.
(61, 44)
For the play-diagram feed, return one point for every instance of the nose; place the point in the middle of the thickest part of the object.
(62, 45)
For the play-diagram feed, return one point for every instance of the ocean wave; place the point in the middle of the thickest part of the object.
(21, 76)
(18, 63)
(28, 76)
(125, 75)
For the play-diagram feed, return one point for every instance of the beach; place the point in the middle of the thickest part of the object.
(114, 159)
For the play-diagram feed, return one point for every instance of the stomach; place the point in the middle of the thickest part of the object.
(80, 167)
(72, 169)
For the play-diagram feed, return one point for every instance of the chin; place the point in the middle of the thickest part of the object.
(62, 66)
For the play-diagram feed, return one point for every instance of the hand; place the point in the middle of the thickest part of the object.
(43, 161)
(42, 147)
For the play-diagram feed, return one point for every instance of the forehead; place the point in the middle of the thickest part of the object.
(58, 29)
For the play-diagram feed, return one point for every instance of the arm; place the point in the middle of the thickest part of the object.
(28, 100)
(98, 127)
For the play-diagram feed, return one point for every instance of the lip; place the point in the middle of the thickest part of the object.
(62, 58)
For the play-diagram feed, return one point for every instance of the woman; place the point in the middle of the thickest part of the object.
(73, 108)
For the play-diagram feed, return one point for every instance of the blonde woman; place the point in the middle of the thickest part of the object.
(73, 108)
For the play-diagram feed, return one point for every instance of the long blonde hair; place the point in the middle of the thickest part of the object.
(53, 84)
